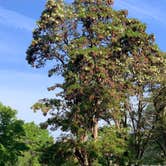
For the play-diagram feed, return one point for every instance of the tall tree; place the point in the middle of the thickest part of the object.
(106, 60)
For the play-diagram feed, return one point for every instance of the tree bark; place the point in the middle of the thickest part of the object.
(95, 128)
(82, 157)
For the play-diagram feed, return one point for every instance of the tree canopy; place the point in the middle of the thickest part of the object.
(113, 74)
(36, 139)
(11, 130)
(21, 144)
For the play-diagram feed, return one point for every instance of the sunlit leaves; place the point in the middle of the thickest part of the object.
(105, 59)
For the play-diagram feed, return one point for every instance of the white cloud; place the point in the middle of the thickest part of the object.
(16, 20)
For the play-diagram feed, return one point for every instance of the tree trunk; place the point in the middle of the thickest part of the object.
(95, 128)
(82, 157)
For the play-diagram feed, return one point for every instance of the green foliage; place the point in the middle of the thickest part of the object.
(59, 154)
(11, 131)
(111, 145)
(112, 69)
(20, 143)
(157, 147)
(36, 140)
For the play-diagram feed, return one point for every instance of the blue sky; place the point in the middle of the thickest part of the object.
(21, 85)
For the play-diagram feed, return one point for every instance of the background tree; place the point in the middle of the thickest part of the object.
(59, 153)
(109, 63)
(36, 139)
(11, 131)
